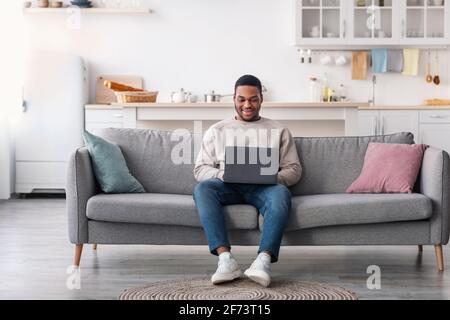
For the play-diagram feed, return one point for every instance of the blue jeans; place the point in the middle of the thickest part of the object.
(272, 201)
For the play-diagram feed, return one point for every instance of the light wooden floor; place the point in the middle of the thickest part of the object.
(35, 253)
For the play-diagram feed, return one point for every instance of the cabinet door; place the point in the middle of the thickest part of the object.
(319, 22)
(368, 122)
(373, 21)
(394, 121)
(424, 22)
(436, 135)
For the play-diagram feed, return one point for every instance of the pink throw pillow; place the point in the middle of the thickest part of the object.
(389, 168)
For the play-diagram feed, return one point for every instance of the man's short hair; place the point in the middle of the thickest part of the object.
(248, 80)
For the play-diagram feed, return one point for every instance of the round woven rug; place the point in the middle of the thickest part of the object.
(241, 289)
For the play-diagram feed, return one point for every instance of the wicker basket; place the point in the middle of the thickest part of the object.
(133, 96)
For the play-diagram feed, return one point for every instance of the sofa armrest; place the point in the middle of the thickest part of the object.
(435, 184)
(81, 185)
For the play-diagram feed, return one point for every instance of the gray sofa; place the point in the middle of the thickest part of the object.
(322, 213)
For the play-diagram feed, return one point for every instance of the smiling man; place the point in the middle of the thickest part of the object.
(273, 201)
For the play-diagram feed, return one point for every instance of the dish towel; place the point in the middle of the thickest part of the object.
(379, 60)
(411, 62)
(359, 65)
(395, 61)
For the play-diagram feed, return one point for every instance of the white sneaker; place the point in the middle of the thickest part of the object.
(259, 271)
(227, 269)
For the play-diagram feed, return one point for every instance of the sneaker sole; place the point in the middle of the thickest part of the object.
(226, 278)
(258, 277)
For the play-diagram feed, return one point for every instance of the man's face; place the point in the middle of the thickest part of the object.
(247, 102)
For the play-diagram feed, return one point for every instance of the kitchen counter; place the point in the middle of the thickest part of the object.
(230, 104)
(399, 107)
(359, 105)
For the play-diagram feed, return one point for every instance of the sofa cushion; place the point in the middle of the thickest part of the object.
(330, 165)
(350, 209)
(389, 168)
(110, 167)
(163, 209)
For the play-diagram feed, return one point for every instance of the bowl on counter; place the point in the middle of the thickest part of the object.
(56, 4)
(43, 3)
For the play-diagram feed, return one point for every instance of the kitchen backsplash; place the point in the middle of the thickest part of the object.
(206, 45)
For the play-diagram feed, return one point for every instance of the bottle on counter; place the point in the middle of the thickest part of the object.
(314, 90)
(325, 89)
(342, 93)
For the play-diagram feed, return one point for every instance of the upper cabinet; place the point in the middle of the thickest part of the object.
(320, 21)
(424, 22)
(371, 22)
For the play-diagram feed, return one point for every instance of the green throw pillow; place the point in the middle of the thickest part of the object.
(110, 167)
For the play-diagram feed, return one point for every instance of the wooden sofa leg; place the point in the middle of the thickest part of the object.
(78, 250)
(94, 246)
(420, 248)
(439, 257)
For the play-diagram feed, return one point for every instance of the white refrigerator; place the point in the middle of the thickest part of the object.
(51, 122)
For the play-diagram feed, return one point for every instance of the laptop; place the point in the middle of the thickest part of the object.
(249, 165)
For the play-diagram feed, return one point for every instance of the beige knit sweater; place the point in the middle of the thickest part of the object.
(262, 133)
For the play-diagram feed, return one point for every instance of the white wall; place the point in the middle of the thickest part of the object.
(203, 45)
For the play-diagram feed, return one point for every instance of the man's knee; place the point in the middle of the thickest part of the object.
(281, 192)
(206, 186)
(280, 198)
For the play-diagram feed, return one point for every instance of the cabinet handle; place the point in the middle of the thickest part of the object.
(435, 116)
(376, 126)
(117, 115)
(344, 29)
(382, 126)
(403, 28)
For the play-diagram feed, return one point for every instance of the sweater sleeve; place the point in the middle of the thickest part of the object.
(206, 164)
(290, 169)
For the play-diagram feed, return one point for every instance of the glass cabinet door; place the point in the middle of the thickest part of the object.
(320, 19)
(372, 19)
(424, 19)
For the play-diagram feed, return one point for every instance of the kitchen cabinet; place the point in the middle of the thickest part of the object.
(437, 135)
(424, 22)
(435, 128)
(430, 127)
(372, 22)
(99, 116)
(319, 22)
(392, 121)
(368, 122)
(380, 122)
